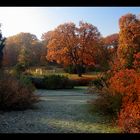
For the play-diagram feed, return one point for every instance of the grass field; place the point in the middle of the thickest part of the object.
(73, 113)
(38, 72)
(59, 111)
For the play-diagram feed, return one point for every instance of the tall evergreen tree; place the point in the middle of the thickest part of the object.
(2, 44)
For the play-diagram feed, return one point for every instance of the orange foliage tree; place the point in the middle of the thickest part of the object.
(112, 42)
(129, 39)
(23, 47)
(125, 74)
(136, 62)
(126, 82)
(70, 45)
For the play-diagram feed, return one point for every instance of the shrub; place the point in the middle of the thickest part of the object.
(123, 82)
(53, 82)
(26, 81)
(120, 97)
(14, 95)
(57, 82)
(136, 62)
(107, 103)
(38, 82)
(99, 83)
(18, 69)
(129, 118)
(82, 81)
(126, 82)
(72, 69)
(95, 69)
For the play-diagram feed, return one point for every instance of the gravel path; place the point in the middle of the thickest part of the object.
(59, 111)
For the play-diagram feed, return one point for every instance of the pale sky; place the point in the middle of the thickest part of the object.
(38, 20)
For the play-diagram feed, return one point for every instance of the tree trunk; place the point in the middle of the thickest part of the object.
(1, 58)
(78, 70)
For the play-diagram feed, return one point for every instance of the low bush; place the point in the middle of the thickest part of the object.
(126, 82)
(93, 69)
(107, 103)
(18, 69)
(120, 97)
(129, 118)
(53, 82)
(72, 69)
(82, 81)
(15, 94)
(26, 81)
(97, 83)
(57, 82)
(38, 82)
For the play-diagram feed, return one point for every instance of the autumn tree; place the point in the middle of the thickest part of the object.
(112, 42)
(129, 39)
(70, 45)
(46, 37)
(63, 46)
(25, 41)
(91, 49)
(23, 48)
(38, 56)
(125, 78)
(11, 51)
(136, 62)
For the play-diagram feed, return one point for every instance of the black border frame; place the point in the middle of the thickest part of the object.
(65, 3)
(72, 3)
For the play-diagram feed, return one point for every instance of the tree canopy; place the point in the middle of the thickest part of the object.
(71, 45)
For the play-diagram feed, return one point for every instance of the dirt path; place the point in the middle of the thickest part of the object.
(59, 111)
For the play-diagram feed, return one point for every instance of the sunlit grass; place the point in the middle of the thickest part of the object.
(78, 119)
(80, 126)
(40, 73)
